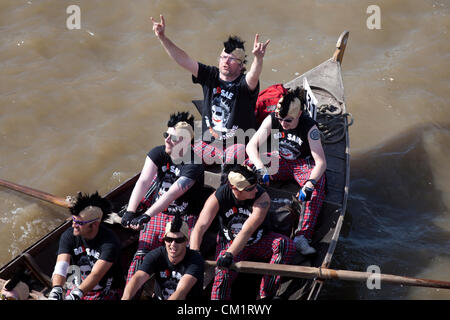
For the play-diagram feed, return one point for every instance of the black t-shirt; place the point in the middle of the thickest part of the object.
(294, 143)
(227, 105)
(233, 213)
(168, 275)
(168, 173)
(85, 253)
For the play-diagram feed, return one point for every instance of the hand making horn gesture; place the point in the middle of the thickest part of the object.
(259, 48)
(159, 27)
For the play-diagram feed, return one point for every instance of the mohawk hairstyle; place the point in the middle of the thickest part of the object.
(95, 200)
(248, 173)
(299, 93)
(176, 223)
(232, 43)
(180, 116)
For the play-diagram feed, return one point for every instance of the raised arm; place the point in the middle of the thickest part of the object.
(176, 53)
(205, 219)
(259, 50)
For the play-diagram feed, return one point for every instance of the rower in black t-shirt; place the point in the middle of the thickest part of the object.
(229, 94)
(242, 206)
(177, 178)
(88, 255)
(300, 157)
(178, 270)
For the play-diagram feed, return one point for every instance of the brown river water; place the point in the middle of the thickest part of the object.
(79, 109)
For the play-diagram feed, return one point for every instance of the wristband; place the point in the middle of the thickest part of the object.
(61, 268)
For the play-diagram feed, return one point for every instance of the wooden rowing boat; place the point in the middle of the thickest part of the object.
(326, 83)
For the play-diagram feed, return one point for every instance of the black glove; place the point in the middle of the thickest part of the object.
(75, 294)
(127, 217)
(225, 260)
(140, 220)
(56, 293)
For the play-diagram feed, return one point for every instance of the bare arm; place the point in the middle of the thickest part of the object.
(143, 184)
(177, 54)
(205, 219)
(258, 139)
(259, 50)
(58, 280)
(97, 273)
(185, 285)
(135, 283)
(176, 190)
(318, 154)
(259, 212)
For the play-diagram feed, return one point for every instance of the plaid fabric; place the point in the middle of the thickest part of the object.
(152, 237)
(112, 294)
(300, 170)
(214, 154)
(272, 246)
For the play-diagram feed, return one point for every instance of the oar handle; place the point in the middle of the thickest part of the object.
(35, 193)
(325, 273)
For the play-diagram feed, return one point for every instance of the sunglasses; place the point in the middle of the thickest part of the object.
(82, 223)
(172, 137)
(251, 188)
(225, 58)
(284, 120)
(177, 240)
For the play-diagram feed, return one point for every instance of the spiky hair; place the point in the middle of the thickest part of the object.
(232, 43)
(180, 116)
(289, 97)
(176, 223)
(249, 174)
(84, 200)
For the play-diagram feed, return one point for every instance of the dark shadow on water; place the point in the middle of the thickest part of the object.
(389, 221)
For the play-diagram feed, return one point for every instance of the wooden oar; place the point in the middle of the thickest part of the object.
(35, 193)
(111, 219)
(325, 273)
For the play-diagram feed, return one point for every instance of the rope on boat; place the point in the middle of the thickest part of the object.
(332, 123)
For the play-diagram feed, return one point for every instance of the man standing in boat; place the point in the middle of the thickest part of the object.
(178, 270)
(242, 206)
(89, 253)
(177, 187)
(301, 157)
(229, 95)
